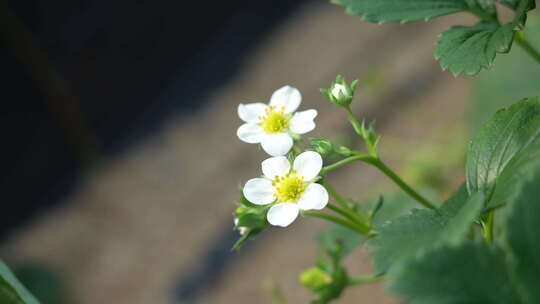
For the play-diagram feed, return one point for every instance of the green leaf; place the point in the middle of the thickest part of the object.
(395, 204)
(348, 239)
(468, 49)
(407, 236)
(522, 238)
(11, 290)
(499, 87)
(507, 133)
(469, 274)
(516, 172)
(522, 7)
(383, 11)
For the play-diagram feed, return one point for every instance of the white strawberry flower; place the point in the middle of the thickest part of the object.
(274, 125)
(289, 189)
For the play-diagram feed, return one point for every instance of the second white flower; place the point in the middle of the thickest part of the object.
(290, 189)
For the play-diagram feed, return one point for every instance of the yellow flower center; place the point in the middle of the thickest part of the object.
(275, 121)
(289, 187)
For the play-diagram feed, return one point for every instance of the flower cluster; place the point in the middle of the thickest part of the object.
(286, 186)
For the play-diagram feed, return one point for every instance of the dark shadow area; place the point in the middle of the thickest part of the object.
(84, 80)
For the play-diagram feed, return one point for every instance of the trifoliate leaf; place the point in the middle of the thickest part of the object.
(468, 49)
(471, 273)
(409, 235)
(383, 11)
(11, 290)
(522, 238)
(498, 142)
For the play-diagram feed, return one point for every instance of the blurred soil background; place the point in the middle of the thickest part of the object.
(152, 221)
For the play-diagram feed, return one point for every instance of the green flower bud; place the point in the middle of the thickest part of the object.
(344, 151)
(314, 279)
(340, 93)
(322, 146)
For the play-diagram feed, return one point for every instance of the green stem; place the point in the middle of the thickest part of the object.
(350, 216)
(354, 215)
(488, 226)
(520, 39)
(410, 191)
(336, 220)
(365, 279)
(335, 194)
(343, 162)
(376, 162)
(361, 131)
(354, 121)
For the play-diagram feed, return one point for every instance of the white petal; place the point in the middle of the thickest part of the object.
(339, 88)
(314, 197)
(308, 164)
(275, 166)
(250, 133)
(287, 97)
(251, 112)
(282, 214)
(302, 122)
(259, 191)
(276, 144)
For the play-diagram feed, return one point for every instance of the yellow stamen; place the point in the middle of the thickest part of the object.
(289, 188)
(275, 121)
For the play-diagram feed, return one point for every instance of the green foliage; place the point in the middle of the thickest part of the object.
(380, 209)
(475, 272)
(383, 11)
(499, 87)
(395, 204)
(468, 49)
(409, 235)
(498, 142)
(522, 238)
(42, 281)
(471, 273)
(461, 49)
(518, 170)
(11, 290)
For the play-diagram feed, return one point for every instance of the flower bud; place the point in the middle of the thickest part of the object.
(322, 146)
(340, 93)
(249, 220)
(314, 279)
